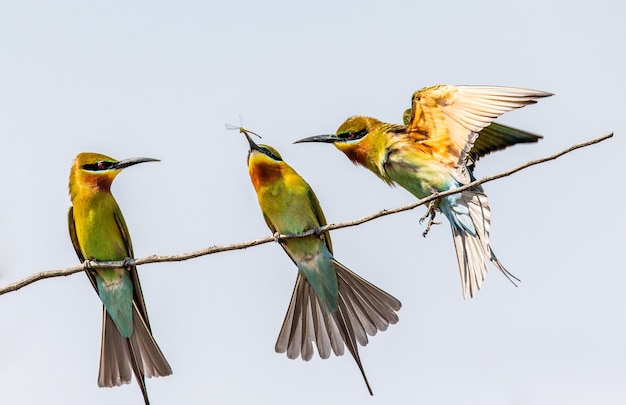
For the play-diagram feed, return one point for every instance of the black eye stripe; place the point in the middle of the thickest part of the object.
(352, 135)
(270, 154)
(98, 166)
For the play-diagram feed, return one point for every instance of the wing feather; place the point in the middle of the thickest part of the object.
(137, 293)
(452, 116)
(319, 214)
(72, 229)
(496, 137)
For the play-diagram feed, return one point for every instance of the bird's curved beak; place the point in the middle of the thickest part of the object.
(330, 138)
(122, 164)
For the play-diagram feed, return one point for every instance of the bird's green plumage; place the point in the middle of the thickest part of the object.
(330, 306)
(98, 232)
(446, 129)
(101, 234)
(290, 206)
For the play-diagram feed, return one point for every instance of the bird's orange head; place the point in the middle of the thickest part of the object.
(96, 172)
(364, 140)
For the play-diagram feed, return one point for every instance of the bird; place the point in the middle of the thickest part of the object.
(433, 152)
(98, 232)
(331, 306)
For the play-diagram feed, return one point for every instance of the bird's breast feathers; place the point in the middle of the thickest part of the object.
(418, 171)
(99, 235)
(265, 174)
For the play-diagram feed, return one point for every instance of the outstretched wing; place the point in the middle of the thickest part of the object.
(492, 138)
(448, 118)
(496, 137)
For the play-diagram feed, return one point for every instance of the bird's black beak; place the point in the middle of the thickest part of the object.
(330, 138)
(122, 164)
(253, 146)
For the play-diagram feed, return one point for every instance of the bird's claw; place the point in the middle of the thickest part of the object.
(88, 267)
(430, 223)
(128, 262)
(316, 232)
(430, 215)
(277, 237)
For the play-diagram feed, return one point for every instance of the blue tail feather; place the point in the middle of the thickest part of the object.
(320, 273)
(117, 298)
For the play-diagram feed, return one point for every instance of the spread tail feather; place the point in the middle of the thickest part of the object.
(472, 242)
(139, 354)
(363, 309)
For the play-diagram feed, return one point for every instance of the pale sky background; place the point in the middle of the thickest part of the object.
(160, 79)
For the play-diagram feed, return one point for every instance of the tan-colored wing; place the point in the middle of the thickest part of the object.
(450, 117)
(494, 137)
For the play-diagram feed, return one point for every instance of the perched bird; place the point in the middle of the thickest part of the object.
(330, 305)
(98, 232)
(431, 153)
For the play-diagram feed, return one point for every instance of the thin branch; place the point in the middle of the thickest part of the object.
(243, 245)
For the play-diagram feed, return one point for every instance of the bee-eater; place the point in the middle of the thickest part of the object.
(431, 154)
(98, 232)
(330, 304)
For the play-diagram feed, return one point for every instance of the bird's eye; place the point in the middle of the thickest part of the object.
(104, 164)
(352, 135)
(99, 165)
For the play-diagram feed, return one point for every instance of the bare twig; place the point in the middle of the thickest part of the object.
(243, 245)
